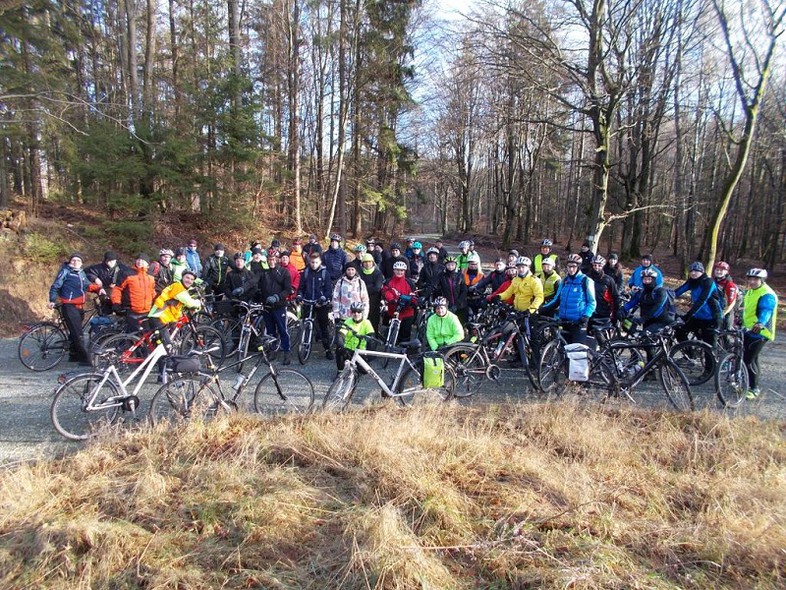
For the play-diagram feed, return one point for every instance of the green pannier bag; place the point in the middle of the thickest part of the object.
(433, 372)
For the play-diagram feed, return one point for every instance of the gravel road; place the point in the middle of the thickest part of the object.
(26, 432)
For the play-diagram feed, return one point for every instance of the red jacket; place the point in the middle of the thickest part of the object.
(392, 289)
(502, 288)
(295, 276)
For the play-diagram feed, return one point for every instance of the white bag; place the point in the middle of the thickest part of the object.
(579, 367)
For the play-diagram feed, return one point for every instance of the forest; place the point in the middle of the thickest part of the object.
(636, 124)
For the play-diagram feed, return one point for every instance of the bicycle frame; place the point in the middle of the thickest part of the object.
(357, 360)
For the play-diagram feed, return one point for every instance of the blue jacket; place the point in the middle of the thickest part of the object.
(315, 284)
(334, 260)
(194, 262)
(635, 278)
(705, 297)
(655, 306)
(69, 285)
(577, 298)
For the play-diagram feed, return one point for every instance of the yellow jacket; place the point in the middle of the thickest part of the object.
(527, 293)
(168, 307)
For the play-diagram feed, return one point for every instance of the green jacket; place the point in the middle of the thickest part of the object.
(350, 329)
(442, 331)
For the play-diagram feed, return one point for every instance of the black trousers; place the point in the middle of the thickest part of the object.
(750, 356)
(72, 316)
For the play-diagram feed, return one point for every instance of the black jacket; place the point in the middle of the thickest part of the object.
(275, 282)
(451, 285)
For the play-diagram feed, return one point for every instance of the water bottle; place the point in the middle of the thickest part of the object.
(238, 382)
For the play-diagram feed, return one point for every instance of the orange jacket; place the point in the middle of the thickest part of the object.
(296, 258)
(141, 291)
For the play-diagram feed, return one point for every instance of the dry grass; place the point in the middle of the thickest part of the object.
(505, 497)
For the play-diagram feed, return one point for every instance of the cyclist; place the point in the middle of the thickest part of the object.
(106, 275)
(462, 260)
(162, 269)
(373, 279)
(349, 289)
(526, 288)
(296, 253)
(311, 247)
(587, 255)
(544, 254)
(443, 253)
(216, 267)
(275, 286)
(607, 299)
(359, 250)
(376, 252)
(510, 274)
(285, 262)
(257, 264)
(168, 306)
(513, 256)
(240, 282)
(656, 310)
(391, 259)
(491, 281)
(443, 327)
(136, 292)
(430, 273)
(552, 285)
(472, 276)
(416, 261)
(452, 287)
(192, 258)
(334, 258)
(759, 313)
(400, 289)
(704, 316)
(315, 285)
(179, 264)
(635, 282)
(70, 286)
(729, 290)
(410, 248)
(613, 268)
(577, 301)
(357, 324)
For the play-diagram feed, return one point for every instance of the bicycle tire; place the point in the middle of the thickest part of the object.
(469, 367)
(123, 357)
(676, 386)
(43, 346)
(230, 329)
(293, 326)
(204, 338)
(306, 341)
(410, 390)
(696, 360)
(339, 394)
(287, 392)
(68, 413)
(182, 399)
(731, 381)
(390, 339)
(553, 370)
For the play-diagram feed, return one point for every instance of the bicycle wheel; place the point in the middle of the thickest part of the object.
(469, 367)
(731, 381)
(43, 346)
(306, 341)
(553, 370)
(293, 326)
(125, 351)
(339, 394)
(230, 330)
(205, 339)
(390, 339)
(411, 391)
(185, 398)
(696, 360)
(286, 391)
(69, 412)
(676, 386)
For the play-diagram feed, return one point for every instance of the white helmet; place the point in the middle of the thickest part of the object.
(523, 261)
(400, 265)
(473, 257)
(758, 273)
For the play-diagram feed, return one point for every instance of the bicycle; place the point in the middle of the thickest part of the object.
(88, 403)
(278, 391)
(731, 378)
(618, 368)
(306, 341)
(404, 388)
(473, 362)
(394, 327)
(42, 345)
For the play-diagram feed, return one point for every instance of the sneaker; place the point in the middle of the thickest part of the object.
(285, 358)
(329, 355)
(753, 393)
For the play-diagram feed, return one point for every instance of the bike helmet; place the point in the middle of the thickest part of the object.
(696, 267)
(166, 252)
(598, 259)
(440, 301)
(523, 261)
(463, 245)
(549, 261)
(574, 259)
(649, 272)
(417, 246)
(473, 259)
(514, 252)
(335, 238)
(758, 273)
(395, 246)
(724, 266)
(546, 243)
(357, 306)
(400, 265)
(471, 243)
(452, 259)
(360, 248)
(432, 250)
(370, 242)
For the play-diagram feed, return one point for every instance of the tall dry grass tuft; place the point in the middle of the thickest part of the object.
(440, 497)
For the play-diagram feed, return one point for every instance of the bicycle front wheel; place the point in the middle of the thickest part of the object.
(186, 398)
(411, 391)
(306, 341)
(285, 391)
(696, 360)
(339, 394)
(469, 367)
(206, 339)
(731, 381)
(69, 411)
(553, 370)
(676, 386)
(43, 346)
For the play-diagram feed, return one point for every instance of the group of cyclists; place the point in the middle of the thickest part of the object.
(367, 288)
